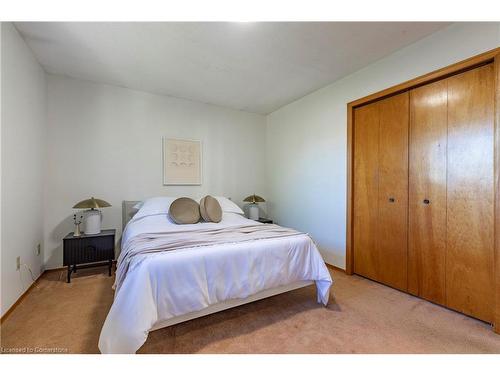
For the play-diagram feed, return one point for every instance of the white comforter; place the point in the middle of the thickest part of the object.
(168, 284)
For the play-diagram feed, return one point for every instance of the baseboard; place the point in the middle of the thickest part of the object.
(19, 300)
(335, 268)
(59, 269)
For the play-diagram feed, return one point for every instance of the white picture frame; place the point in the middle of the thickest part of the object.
(182, 161)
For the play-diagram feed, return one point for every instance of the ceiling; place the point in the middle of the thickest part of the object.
(255, 67)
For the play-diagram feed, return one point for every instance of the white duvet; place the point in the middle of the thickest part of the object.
(168, 284)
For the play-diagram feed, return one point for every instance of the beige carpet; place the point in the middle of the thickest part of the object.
(363, 317)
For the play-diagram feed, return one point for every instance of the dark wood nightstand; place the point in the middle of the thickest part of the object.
(89, 251)
(264, 220)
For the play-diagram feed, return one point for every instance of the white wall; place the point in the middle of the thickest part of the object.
(307, 139)
(23, 89)
(105, 141)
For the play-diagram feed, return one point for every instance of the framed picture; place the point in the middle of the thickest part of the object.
(181, 162)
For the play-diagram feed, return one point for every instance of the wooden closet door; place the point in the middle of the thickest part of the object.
(393, 191)
(427, 196)
(470, 232)
(365, 202)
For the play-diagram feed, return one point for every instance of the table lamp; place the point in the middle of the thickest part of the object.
(253, 207)
(93, 215)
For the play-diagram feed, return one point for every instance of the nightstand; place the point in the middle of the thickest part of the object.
(264, 220)
(91, 250)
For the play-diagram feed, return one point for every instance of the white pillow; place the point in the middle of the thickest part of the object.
(228, 205)
(155, 206)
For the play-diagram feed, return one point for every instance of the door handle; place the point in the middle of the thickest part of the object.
(392, 200)
(426, 201)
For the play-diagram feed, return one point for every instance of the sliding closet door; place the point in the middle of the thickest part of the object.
(393, 191)
(469, 256)
(427, 196)
(365, 203)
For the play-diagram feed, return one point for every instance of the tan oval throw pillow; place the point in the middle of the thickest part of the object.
(184, 211)
(210, 209)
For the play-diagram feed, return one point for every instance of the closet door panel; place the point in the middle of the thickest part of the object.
(427, 195)
(469, 257)
(393, 191)
(365, 202)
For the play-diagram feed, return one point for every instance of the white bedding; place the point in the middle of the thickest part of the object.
(168, 284)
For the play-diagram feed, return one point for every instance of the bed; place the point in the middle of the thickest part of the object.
(158, 289)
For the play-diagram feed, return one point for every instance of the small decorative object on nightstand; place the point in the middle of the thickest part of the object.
(264, 220)
(89, 250)
(77, 222)
(253, 207)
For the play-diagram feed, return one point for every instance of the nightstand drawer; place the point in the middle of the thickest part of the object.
(88, 250)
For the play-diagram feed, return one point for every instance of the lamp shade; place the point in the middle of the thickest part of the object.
(92, 203)
(254, 199)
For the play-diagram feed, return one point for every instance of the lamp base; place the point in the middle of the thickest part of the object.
(253, 211)
(93, 222)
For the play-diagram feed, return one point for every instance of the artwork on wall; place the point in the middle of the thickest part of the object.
(181, 162)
